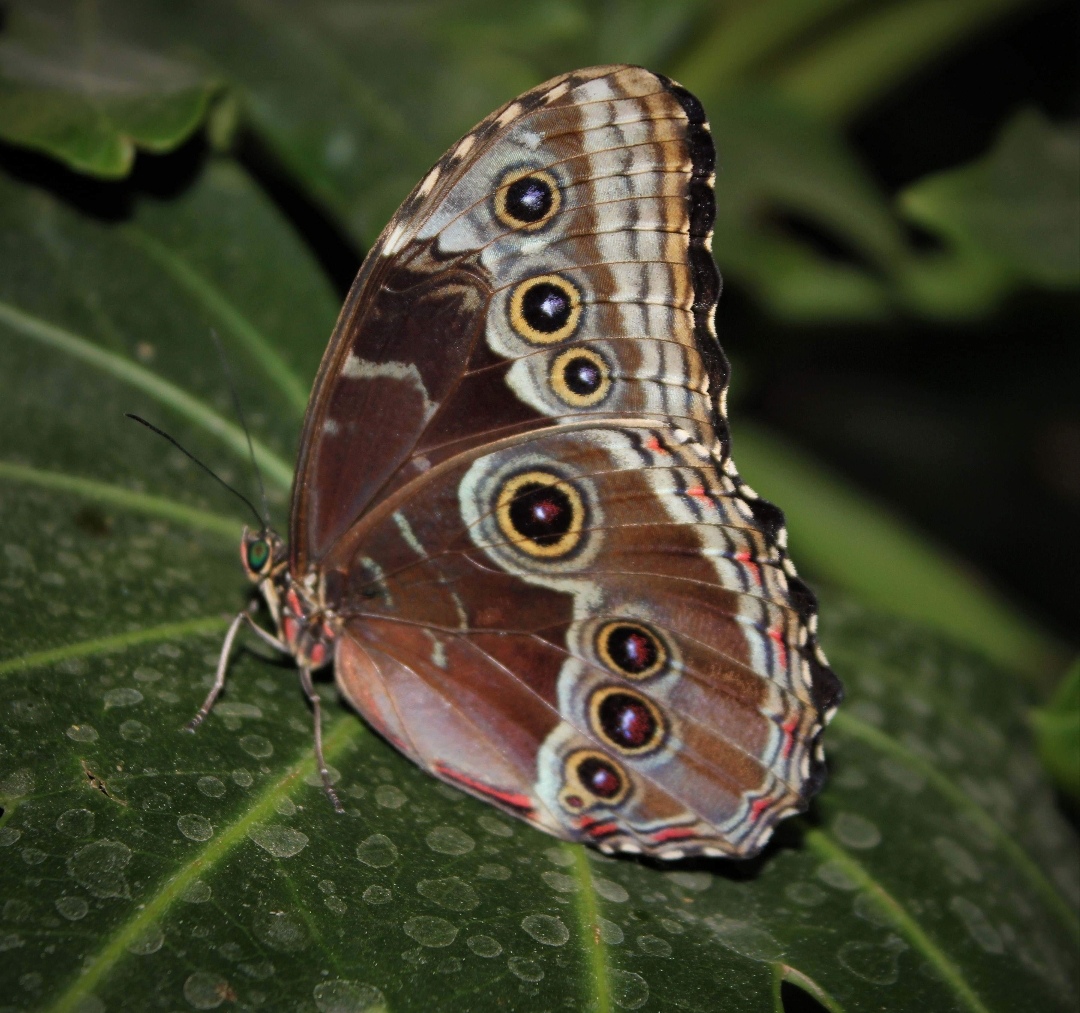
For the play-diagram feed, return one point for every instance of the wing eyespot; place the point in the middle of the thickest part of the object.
(527, 199)
(541, 514)
(626, 720)
(580, 377)
(631, 649)
(591, 778)
(545, 309)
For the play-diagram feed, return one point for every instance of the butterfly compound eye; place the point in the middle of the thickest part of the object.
(527, 199)
(258, 555)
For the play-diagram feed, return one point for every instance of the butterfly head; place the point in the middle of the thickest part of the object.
(262, 553)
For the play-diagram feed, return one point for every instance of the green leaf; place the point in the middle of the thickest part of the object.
(1057, 732)
(842, 537)
(71, 89)
(146, 868)
(358, 101)
(1016, 211)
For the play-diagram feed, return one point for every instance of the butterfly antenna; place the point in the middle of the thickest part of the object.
(243, 425)
(187, 453)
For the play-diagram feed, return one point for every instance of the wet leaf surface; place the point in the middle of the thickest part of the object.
(141, 866)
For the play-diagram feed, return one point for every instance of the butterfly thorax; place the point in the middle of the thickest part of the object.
(306, 626)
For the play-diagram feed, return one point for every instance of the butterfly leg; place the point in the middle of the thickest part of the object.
(223, 664)
(324, 773)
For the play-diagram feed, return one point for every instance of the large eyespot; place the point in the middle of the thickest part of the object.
(546, 309)
(541, 514)
(580, 377)
(527, 199)
(626, 720)
(592, 777)
(631, 649)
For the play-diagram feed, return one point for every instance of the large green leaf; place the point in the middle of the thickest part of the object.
(146, 868)
(73, 90)
(357, 100)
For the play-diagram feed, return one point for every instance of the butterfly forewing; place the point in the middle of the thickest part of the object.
(515, 492)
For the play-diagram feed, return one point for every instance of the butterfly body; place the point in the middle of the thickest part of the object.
(516, 528)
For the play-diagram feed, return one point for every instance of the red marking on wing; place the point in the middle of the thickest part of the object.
(511, 798)
(788, 728)
(595, 829)
(673, 834)
(746, 559)
(653, 444)
(776, 634)
(697, 492)
(759, 806)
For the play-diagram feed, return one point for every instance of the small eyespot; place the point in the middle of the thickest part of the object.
(546, 309)
(527, 199)
(580, 377)
(591, 778)
(541, 513)
(631, 649)
(626, 720)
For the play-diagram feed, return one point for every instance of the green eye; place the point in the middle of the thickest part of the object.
(257, 555)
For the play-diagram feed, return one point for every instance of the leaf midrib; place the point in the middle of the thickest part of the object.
(344, 730)
(823, 844)
(79, 347)
(1024, 864)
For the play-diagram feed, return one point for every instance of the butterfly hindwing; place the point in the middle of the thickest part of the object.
(516, 493)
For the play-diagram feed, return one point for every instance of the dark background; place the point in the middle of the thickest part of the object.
(972, 431)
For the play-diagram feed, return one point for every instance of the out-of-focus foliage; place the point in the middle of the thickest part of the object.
(1011, 219)
(1057, 728)
(358, 99)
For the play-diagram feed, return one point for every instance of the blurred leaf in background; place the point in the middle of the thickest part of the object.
(1057, 730)
(932, 365)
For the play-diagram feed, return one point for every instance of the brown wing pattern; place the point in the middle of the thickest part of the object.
(555, 591)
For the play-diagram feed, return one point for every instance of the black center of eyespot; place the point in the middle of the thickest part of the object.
(632, 649)
(627, 721)
(541, 513)
(258, 553)
(583, 376)
(546, 307)
(600, 777)
(528, 199)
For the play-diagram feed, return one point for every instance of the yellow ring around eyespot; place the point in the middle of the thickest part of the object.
(605, 655)
(572, 782)
(503, 213)
(530, 333)
(558, 380)
(654, 743)
(567, 541)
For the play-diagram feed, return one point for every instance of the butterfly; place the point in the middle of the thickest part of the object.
(516, 529)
